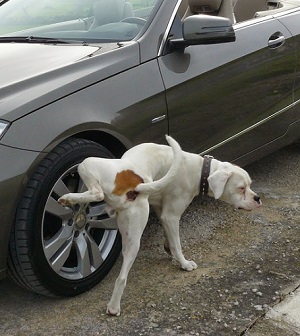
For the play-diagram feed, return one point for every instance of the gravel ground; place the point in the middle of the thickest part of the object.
(247, 262)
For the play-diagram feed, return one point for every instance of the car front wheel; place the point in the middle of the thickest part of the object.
(60, 251)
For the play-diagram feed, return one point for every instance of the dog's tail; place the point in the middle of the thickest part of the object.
(152, 187)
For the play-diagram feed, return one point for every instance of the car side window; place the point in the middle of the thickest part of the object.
(248, 10)
(222, 8)
(235, 10)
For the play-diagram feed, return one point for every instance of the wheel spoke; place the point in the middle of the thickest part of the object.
(60, 188)
(95, 255)
(106, 224)
(56, 209)
(81, 186)
(57, 249)
(84, 263)
(97, 209)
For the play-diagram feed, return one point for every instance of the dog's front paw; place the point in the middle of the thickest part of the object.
(115, 311)
(189, 265)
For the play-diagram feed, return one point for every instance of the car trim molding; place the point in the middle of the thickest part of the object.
(246, 130)
(164, 39)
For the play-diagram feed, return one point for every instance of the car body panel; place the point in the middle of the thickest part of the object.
(32, 60)
(67, 75)
(152, 39)
(291, 21)
(239, 75)
(128, 109)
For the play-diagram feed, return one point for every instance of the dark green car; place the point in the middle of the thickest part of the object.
(83, 78)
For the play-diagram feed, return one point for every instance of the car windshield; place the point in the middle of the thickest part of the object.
(65, 21)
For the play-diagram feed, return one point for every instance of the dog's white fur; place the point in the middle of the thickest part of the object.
(168, 179)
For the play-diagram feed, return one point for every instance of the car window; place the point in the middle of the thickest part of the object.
(82, 20)
(235, 10)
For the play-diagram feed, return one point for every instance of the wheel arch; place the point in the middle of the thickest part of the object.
(107, 140)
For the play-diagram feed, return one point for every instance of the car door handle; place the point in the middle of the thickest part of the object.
(276, 40)
(158, 119)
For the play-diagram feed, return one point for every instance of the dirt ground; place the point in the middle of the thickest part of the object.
(247, 262)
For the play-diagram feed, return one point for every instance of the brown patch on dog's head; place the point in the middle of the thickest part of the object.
(126, 180)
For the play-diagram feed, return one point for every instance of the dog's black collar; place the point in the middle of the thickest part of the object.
(204, 174)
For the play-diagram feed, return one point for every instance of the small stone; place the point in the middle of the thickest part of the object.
(258, 307)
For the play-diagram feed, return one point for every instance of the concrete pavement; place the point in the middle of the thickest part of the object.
(281, 320)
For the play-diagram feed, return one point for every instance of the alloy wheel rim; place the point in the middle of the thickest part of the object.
(76, 240)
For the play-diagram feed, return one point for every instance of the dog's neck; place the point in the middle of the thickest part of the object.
(214, 165)
(204, 185)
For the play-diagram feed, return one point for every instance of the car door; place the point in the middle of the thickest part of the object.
(291, 21)
(229, 99)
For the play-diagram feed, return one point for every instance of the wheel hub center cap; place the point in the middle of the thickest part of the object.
(80, 220)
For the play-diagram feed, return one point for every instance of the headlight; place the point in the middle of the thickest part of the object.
(3, 127)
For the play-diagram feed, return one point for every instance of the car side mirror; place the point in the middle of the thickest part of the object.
(204, 29)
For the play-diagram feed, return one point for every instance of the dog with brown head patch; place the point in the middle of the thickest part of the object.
(166, 178)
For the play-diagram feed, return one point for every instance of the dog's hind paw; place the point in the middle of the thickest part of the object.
(67, 200)
(63, 201)
(189, 265)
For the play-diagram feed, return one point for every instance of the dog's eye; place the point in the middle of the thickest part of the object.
(242, 189)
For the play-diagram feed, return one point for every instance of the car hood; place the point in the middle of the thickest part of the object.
(20, 62)
(34, 75)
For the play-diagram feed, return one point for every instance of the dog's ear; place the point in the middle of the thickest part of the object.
(217, 182)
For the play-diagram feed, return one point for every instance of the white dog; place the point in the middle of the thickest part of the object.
(168, 179)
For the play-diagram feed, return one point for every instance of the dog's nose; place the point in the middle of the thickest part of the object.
(257, 199)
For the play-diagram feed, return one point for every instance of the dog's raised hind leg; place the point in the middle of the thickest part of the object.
(131, 223)
(93, 194)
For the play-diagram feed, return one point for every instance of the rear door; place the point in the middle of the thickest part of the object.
(229, 99)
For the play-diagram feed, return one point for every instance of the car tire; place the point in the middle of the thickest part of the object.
(58, 251)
